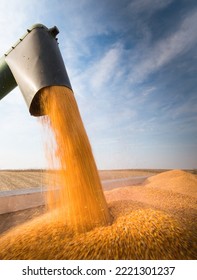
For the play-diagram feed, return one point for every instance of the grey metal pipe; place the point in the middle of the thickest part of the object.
(35, 62)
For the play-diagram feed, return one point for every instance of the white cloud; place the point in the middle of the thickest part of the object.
(105, 70)
(186, 109)
(98, 76)
(148, 91)
(148, 6)
(166, 49)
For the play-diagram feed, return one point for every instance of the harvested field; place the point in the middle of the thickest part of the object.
(25, 179)
(151, 221)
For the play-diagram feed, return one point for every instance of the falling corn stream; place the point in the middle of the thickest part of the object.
(80, 201)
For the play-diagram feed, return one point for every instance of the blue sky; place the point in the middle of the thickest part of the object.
(133, 68)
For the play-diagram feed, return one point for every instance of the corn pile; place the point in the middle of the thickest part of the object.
(138, 234)
(148, 223)
(176, 181)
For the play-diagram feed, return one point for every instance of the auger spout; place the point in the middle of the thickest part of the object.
(33, 63)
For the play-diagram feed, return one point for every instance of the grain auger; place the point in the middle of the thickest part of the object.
(33, 63)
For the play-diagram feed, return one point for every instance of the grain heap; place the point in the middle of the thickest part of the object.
(148, 223)
(175, 181)
(136, 233)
